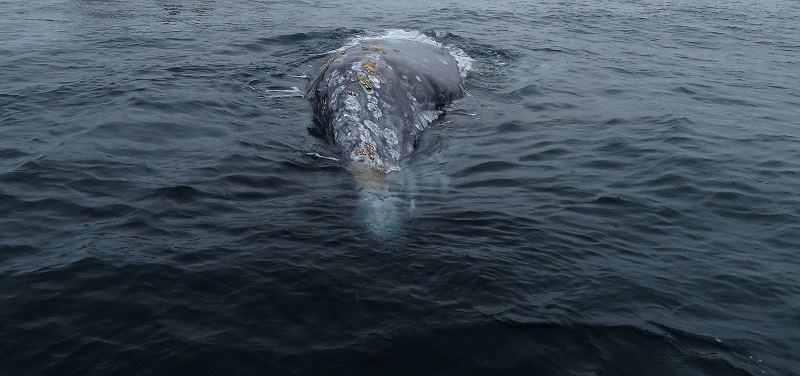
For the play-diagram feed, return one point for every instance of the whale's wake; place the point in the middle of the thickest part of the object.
(382, 212)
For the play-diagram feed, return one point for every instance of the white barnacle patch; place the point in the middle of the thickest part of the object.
(376, 82)
(374, 109)
(351, 104)
(335, 78)
(372, 98)
(338, 90)
(391, 138)
(372, 105)
(371, 126)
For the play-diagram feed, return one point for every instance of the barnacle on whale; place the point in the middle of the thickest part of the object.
(372, 47)
(368, 150)
(364, 81)
(370, 67)
(331, 59)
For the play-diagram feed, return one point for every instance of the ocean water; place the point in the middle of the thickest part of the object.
(617, 194)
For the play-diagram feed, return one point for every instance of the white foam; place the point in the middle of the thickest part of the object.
(285, 93)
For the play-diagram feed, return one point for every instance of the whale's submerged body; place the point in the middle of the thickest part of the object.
(374, 98)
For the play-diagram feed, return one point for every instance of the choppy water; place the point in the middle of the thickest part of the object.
(625, 199)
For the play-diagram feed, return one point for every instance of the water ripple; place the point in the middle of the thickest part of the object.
(615, 194)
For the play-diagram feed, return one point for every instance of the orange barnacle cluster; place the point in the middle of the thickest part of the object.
(368, 150)
(364, 81)
(372, 47)
(370, 67)
(331, 59)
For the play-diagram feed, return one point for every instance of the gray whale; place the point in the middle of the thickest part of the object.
(374, 98)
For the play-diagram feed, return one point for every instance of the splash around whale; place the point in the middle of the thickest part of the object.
(373, 99)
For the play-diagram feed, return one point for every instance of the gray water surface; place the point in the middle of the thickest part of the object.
(618, 193)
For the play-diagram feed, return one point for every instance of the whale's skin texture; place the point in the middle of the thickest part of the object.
(373, 99)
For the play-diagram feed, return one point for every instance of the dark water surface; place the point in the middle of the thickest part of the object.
(625, 199)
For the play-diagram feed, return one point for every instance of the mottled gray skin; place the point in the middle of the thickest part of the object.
(375, 97)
